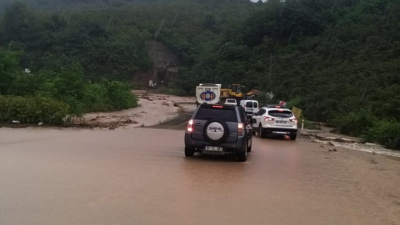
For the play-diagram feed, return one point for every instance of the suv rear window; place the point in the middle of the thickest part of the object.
(249, 104)
(225, 114)
(282, 114)
(231, 101)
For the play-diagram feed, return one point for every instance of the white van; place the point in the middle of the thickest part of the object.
(250, 106)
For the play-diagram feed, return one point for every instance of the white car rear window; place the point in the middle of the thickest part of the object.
(280, 113)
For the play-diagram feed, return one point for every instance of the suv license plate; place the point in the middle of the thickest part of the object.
(213, 148)
(281, 122)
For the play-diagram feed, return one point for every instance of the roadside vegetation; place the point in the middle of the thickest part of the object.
(338, 59)
(50, 96)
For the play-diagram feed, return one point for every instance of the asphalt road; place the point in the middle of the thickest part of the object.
(140, 176)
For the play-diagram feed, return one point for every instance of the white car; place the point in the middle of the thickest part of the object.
(230, 101)
(275, 120)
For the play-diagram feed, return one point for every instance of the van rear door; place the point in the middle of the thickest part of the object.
(255, 107)
(248, 107)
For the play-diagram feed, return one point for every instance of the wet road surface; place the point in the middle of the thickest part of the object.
(179, 123)
(140, 176)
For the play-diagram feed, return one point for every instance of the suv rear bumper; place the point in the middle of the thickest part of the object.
(229, 148)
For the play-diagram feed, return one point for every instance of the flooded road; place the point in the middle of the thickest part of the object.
(140, 176)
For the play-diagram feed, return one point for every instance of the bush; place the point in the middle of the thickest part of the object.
(295, 102)
(120, 95)
(32, 110)
(355, 123)
(81, 95)
(96, 98)
(386, 132)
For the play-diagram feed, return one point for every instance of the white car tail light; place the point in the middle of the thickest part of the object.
(267, 118)
(293, 120)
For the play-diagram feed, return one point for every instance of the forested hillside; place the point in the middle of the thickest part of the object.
(338, 60)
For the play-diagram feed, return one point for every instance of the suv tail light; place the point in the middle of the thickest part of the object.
(267, 118)
(293, 120)
(240, 129)
(190, 126)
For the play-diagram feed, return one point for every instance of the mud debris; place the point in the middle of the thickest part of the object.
(352, 143)
(147, 98)
(103, 122)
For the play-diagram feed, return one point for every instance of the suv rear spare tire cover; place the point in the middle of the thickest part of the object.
(216, 131)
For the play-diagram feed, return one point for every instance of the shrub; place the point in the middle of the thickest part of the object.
(386, 132)
(120, 95)
(32, 110)
(295, 102)
(81, 95)
(96, 98)
(355, 123)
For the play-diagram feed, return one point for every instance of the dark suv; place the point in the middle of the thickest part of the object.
(219, 130)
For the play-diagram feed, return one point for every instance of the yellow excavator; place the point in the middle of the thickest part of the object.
(235, 91)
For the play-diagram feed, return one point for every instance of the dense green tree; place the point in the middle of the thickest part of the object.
(17, 23)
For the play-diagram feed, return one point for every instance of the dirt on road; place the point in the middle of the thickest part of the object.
(153, 109)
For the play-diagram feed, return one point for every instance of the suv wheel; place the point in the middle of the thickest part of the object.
(189, 152)
(293, 136)
(242, 156)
